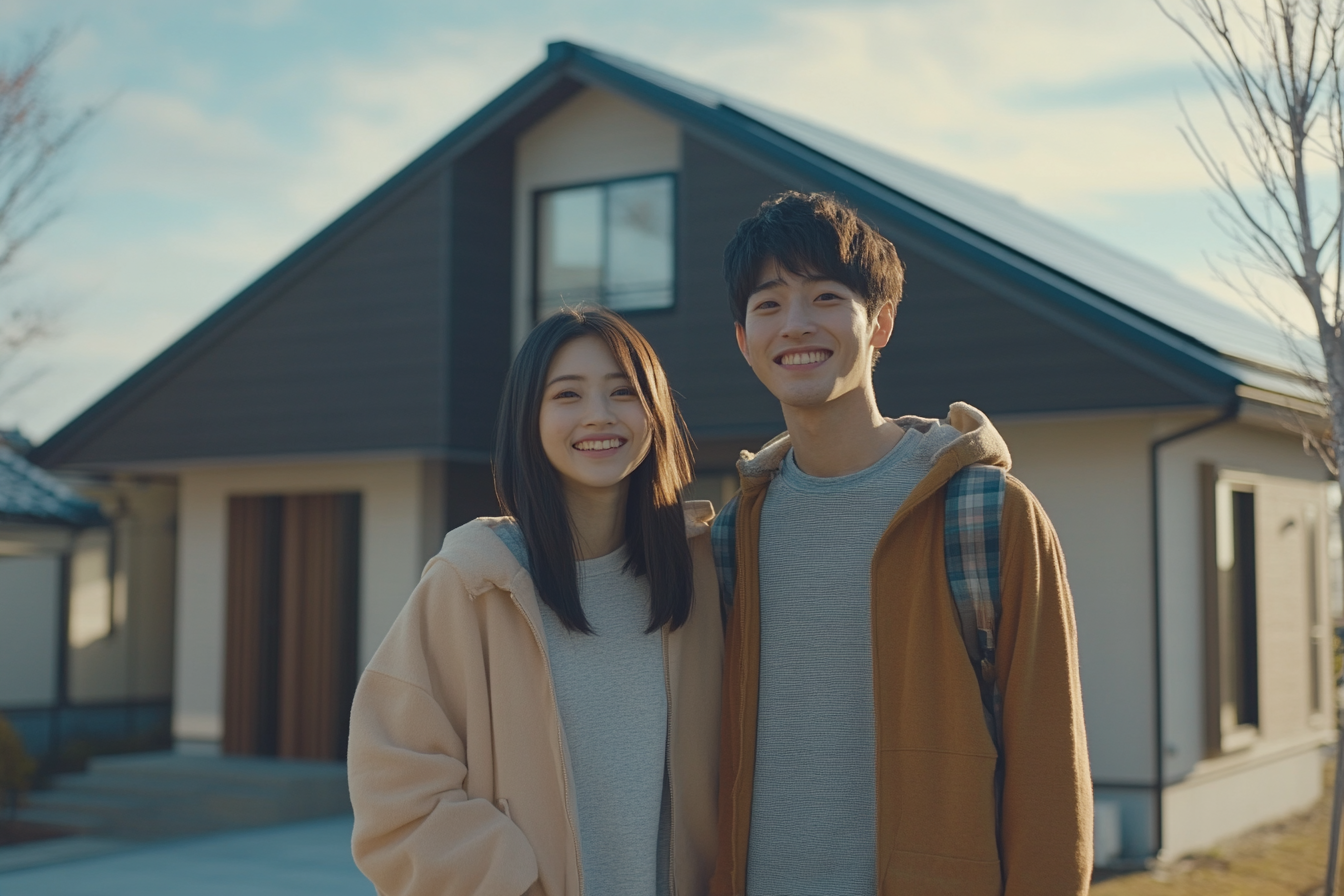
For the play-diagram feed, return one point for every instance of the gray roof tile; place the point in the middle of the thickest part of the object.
(29, 494)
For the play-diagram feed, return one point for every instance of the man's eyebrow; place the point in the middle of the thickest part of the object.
(772, 283)
(565, 377)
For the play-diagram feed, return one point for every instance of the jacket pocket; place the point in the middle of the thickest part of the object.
(936, 825)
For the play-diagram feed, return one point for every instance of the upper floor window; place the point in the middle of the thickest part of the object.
(611, 244)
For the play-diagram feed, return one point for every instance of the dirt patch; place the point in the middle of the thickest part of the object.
(1285, 858)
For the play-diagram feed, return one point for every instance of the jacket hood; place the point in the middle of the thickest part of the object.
(484, 562)
(979, 443)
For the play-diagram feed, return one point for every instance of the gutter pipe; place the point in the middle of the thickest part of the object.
(1159, 735)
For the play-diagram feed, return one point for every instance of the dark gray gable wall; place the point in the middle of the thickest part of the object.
(482, 289)
(346, 355)
(958, 337)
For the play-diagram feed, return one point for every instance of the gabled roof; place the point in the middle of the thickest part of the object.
(31, 495)
(1258, 352)
(1063, 268)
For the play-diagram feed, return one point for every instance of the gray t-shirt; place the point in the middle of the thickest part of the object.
(612, 697)
(814, 801)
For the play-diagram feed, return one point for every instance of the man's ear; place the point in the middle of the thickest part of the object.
(884, 321)
(742, 341)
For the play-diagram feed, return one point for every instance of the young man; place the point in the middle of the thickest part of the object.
(858, 755)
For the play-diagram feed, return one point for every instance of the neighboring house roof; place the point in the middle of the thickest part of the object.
(1063, 269)
(31, 495)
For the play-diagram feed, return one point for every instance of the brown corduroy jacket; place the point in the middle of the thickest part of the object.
(935, 759)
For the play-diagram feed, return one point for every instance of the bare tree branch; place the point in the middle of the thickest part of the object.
(36, 136)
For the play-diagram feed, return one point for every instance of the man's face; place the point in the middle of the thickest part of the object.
(809, 339)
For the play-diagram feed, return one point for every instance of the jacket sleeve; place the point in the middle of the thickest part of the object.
(1046, 829)
(416, 829)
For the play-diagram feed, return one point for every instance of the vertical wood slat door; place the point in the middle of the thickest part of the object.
(290, 661)
(317, 604)
(252, 626)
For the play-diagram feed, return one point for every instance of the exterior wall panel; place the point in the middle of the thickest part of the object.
(350, 356)
(481, 290)
(391, 556)
(719, 394)
(957, 340)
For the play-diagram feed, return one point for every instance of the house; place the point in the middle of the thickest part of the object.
(320, 431)
(67, 682)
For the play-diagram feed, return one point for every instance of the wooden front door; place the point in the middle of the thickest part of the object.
(293, 573)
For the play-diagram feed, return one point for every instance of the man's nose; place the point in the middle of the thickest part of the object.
(798, 321)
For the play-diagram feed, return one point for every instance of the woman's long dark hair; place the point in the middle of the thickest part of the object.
(529, 489)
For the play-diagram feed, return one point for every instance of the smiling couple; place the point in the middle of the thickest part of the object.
(860, 677)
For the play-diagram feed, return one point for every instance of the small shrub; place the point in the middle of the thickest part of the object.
(16, 766)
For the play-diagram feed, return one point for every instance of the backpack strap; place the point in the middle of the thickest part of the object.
(723, 543)
(973, 514)
(972, 518)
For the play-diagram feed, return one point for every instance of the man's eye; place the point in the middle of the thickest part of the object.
(828, 297)
(764, 305)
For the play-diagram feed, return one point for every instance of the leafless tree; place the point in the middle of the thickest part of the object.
(36, 134)
(1274, 67)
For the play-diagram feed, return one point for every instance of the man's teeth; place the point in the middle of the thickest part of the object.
(803, 358)
(599, 444)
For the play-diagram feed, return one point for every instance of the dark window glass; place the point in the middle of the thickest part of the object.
(1238, 610)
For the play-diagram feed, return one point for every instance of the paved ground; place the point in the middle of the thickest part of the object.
(311, 858)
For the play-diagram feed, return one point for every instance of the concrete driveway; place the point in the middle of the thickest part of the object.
(311, 858)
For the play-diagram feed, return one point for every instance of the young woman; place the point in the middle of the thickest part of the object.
(543, 716)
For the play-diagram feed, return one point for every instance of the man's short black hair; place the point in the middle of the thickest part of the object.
(812, 234)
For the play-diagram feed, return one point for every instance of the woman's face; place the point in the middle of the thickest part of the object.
(593, 428)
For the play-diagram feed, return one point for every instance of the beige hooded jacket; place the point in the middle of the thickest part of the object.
(459, 774)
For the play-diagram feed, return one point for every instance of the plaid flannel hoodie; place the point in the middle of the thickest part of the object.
(935, 762)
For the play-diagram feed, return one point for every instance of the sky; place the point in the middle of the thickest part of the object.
(229, 133)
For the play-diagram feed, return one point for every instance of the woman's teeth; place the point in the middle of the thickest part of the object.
(599, 444)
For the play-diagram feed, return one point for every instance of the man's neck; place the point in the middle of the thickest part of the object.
(842, 436)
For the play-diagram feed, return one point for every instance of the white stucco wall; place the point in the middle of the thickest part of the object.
(131, 655)
(393, 550)
(595, 136)
(1236, 447)
(30, 612)
(1092, 477)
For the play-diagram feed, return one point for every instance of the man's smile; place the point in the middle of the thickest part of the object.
(805, 358)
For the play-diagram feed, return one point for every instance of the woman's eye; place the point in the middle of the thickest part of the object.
(568, 393)
(625, 391)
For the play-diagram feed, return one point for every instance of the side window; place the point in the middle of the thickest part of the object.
(1237, 613)
(611, 244)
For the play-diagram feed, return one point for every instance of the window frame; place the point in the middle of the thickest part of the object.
(537, 196)
(1221, 738)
